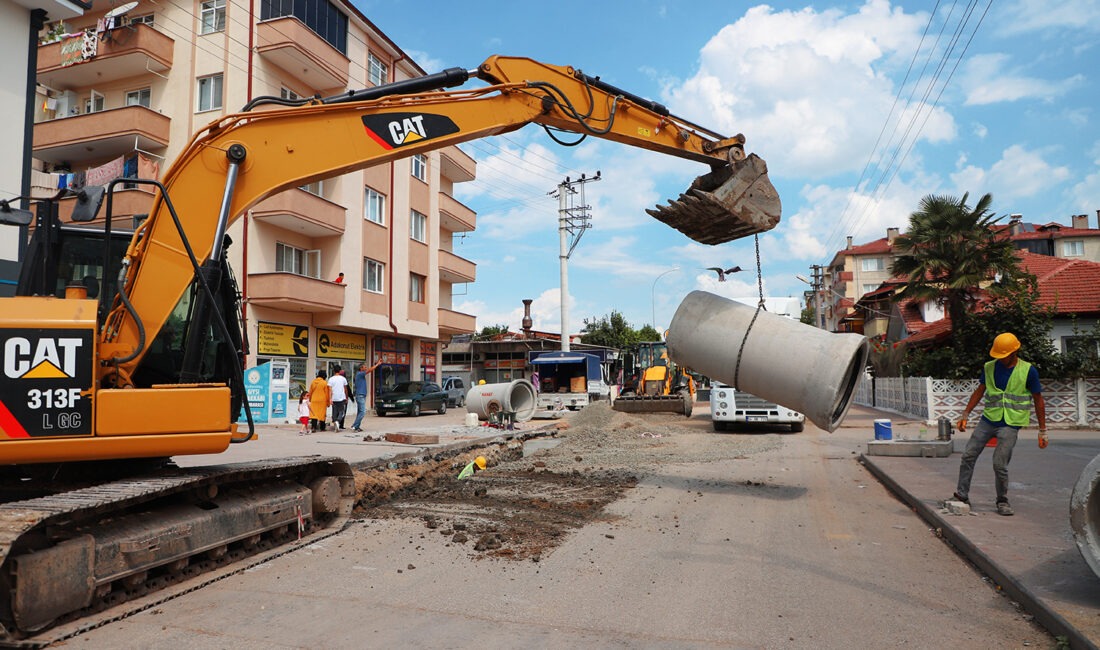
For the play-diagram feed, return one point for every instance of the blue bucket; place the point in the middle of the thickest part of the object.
(883, 430)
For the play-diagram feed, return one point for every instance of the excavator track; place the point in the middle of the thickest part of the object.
(76, 553)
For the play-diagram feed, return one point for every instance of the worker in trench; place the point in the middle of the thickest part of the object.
(471, 468)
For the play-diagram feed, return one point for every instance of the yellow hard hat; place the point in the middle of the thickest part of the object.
(480, 462)
(1004, 345)
(481, 382)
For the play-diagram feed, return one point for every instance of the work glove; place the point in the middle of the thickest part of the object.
(1043, 440)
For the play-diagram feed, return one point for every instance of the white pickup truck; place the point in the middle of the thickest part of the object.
(729, 407)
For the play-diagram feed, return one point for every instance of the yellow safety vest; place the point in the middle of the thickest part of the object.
(1013, 404)
(467, 471)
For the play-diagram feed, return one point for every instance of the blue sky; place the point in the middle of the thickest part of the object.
(860, 109)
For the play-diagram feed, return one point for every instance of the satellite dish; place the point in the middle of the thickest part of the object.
(120, 10)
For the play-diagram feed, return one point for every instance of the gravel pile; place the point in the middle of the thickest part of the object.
(599, 437)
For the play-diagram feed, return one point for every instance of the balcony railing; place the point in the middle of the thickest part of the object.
(297, 49)
(290, 292)
(454, 216)
(300, 211)
(455, 322)
(101, 135)
(129, 51)
(455, 269)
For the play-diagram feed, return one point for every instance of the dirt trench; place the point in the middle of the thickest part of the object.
(521, 508)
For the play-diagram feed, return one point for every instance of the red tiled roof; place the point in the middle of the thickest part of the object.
(1070, 286)
(878, 246)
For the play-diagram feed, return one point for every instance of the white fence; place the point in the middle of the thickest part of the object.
(1073, 403)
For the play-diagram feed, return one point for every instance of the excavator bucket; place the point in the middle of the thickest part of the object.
(679, 403)
(729, 203)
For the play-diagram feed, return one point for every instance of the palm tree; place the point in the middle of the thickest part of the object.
(949, 251)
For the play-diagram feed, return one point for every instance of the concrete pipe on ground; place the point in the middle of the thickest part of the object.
(1084, 514)
(515, 397)
(785, 361)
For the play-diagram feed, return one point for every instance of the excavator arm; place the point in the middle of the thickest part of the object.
(242, 158)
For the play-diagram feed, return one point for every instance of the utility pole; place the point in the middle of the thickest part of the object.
(819, 279)
(573, 220)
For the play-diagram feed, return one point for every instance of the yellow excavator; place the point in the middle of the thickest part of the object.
(661, 386)
(117, 358)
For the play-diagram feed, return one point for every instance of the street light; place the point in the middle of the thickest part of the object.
(653, 295)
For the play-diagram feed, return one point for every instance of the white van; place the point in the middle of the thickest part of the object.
(729, 406)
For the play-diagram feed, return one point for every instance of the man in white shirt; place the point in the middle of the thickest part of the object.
(338, 384)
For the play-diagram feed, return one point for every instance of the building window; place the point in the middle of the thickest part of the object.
(418, 226)
(321, 16)
(147, 19)
(1085, 346)
(316, 188)
(138, 97)
(874, 264)
(377, 71)
(94, 103)
(287, 93)
(213, 16)
(416, 287)
(868, 288)
(420, 167)
(1073, 248)
(210, 93)
(289, 259)
(374, 207)
(372, 275)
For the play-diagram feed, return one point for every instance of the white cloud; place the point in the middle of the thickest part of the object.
(1019, 173)
(987, 82)
(426, 61)
(809, 89)
(545, 313)
(1024, 16)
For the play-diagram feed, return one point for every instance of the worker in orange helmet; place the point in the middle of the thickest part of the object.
(1009, 385)
(473, 466)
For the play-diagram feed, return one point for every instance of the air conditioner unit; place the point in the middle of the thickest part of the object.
(67, 104)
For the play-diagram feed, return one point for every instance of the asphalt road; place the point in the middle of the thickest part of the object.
(793, 547)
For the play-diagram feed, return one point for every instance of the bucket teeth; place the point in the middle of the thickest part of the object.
(726, 204)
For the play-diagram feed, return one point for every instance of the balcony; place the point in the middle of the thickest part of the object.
(456, 165)
(128, 51)
(101, 135)
(297, 49)
(455, 269)
(300, 211)
(455, 322)
(454, 216)
(290, 292)
(124, 205)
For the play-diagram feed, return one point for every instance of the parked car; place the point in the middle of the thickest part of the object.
(411, 398)
(456, 391)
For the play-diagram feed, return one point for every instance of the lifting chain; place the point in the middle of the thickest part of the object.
(759, 306)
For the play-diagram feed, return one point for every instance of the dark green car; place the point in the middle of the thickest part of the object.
(412, 398)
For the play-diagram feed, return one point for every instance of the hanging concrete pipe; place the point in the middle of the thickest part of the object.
(785, 361)
(515, 397)
(1084, 514)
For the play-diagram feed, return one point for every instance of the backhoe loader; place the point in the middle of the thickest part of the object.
(661, 385)
(115, 360)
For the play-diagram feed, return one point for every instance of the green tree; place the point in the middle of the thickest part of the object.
(949, 251)
(1015, 309)
(610, 331)
(490, 331)
(809, 315)
(649, 333)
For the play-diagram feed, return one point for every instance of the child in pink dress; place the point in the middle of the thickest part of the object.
(303, 414)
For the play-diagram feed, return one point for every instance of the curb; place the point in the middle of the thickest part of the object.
(1048, 618)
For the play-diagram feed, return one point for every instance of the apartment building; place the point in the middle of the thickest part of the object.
(122, 89)
(20, 23)
(850, 284)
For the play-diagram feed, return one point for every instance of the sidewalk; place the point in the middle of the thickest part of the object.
(283, 441)
(1032, 556)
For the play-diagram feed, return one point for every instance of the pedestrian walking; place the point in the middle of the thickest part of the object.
(338, 384)
(1009, 385)
(319, 399)
(361, 382)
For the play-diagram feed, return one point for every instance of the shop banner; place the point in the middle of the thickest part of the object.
(278, 340)
(332, 344)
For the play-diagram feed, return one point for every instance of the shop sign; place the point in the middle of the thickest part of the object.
(278, 340)
(332, 344)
